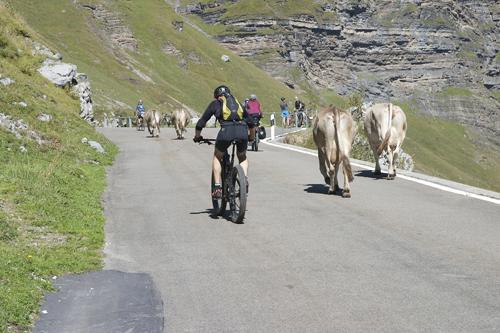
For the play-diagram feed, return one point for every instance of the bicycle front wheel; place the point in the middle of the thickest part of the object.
(220, 203)
(238, 194)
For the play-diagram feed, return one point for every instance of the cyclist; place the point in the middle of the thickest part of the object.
(284, 112)
(254, 110)
(299, 110)
(234, 122)
(139, 110)
(245, 104)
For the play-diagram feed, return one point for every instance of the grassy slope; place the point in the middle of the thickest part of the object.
(193, 87)
(444, 149)
(50, 217)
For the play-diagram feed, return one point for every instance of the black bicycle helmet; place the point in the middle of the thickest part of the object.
(282, 98)
(221, 90)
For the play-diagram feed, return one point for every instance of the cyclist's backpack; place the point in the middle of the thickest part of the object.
(262, 133)
(231, 108)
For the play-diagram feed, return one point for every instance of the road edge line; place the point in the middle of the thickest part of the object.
(416, 180)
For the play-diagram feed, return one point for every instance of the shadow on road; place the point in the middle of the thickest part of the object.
(321, 189)
(317, 188)
(370, 174)
(211, 213)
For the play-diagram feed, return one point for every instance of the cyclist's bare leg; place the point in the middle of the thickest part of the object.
(216, 165)
(242, 158)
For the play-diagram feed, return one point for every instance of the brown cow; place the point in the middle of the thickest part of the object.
(333, 132)
(385, 128)
(152, 118)
(180, 118)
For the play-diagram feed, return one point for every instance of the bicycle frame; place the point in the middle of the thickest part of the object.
(233, 186)
(227, 164)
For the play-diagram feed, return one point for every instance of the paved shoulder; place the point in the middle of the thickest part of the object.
(104, 301)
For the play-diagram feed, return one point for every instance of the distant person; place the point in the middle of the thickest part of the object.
(139, 110)
(245, 104)
(299, 110)
(254, 110)
(284, 112)
(299, 106)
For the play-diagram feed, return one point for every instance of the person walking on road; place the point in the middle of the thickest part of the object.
(284, 112)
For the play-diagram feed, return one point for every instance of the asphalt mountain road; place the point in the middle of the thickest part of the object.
(397, 256)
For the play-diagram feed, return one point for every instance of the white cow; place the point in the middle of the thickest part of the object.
(385, 128)
(180, 118)
(152, 118)
(333, 132)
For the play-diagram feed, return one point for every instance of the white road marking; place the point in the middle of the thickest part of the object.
(420, 181)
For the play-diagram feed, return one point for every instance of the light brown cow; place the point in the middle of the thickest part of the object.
(385, 128)
(152, 118)
(180, 118)
(333, 132)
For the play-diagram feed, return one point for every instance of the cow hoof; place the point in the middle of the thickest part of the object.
(346, 194)
(391, 177)
(336, 188)
(330, 191)
(377, 172)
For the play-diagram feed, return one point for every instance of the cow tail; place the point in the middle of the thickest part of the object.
(387, 134)
(158, 122)
(345, 158)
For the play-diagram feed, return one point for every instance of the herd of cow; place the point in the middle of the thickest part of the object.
(180, 118)
(333, 132)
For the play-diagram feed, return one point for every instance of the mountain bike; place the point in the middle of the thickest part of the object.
(234, 187)
(255, 142)
(140, 124)
(166, 120)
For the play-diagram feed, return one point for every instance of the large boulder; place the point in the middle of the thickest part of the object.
(58, 72)
(62, 74)
(82, 89)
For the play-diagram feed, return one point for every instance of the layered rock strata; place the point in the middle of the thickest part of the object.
(385, 50)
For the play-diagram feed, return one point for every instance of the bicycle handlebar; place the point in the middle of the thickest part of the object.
(207, 141)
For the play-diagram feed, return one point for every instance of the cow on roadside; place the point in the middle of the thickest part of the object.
(385, 128)
(180, 118)
(333, 132)
(152, 118)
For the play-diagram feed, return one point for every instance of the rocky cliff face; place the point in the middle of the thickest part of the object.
(386, 50)
(114, 28)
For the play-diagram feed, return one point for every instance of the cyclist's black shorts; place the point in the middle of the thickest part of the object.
(228, 133)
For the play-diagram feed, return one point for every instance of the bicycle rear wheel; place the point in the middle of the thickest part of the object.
(256, 142)
(219, 204)
(238, 194)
